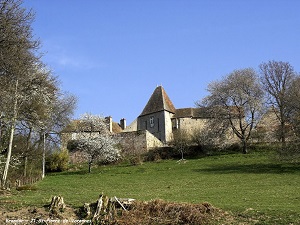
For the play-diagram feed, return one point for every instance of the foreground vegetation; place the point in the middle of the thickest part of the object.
(250, 186)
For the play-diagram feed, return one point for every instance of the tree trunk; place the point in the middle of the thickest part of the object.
(44, 156)
(99, 207)
(90, 166)
(105, 209)
(12, 131)
(0, 131)
(25, 166)
(245, 150)
(182, 154)
(57, 205)
(282, 134)
(27, 151)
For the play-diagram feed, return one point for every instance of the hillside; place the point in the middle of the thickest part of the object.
(253, 188)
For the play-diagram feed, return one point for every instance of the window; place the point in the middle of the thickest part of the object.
(175, 123)
(151, 121)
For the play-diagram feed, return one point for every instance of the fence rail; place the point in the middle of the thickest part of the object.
(27, 181)
(21, 181)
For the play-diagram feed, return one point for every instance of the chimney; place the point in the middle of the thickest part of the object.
(109, 123)
(123, 123)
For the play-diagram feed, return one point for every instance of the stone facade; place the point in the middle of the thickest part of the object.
(161, 118)
(267, 129)
(157, 114)
(158, 124)
(154, 127)
(137, 142)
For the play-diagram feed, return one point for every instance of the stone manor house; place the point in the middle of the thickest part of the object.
(155, 125)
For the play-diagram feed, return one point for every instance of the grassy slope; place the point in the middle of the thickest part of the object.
(248, 184)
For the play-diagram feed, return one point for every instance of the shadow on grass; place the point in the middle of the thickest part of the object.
(260, 168)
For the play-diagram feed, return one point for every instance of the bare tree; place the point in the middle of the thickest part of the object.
(62, 111)
(17, 58)
(294, 108)
(236, 101)
(30, 100)
(212, 135)
(277, 78)
(290, 150)
(181, 142)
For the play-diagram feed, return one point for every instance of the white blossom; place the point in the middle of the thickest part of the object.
(15, 162)
(95, 140)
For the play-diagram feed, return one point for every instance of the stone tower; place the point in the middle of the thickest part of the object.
(157, 114)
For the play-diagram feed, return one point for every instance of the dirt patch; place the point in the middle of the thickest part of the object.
(34, 215)
(157, 212)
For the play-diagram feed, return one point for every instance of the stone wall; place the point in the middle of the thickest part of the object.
(77, 157)
(159, 124)
(154, 123)
(191, 124)
(131, 143)
(168, 126)
(65, 138)
(194, 125)
(152, 141)
(136, 142)
(131, 127)
(267, 128)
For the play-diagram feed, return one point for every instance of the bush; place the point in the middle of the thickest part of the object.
(195, 151)
(135, 160)
(26, 188)
(72, 145)
(58, 161)
(160, 153)
(235, 147)
(291, 152)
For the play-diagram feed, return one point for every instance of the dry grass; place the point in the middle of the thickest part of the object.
(162, 212)
(155, 212)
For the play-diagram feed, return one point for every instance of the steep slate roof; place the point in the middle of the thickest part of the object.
(159, 101)
(75, 125)
(203, 112)
(192, 113)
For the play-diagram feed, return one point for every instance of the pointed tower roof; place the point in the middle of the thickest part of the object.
(159, 101)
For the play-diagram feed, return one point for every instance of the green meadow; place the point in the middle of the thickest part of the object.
(249, 186)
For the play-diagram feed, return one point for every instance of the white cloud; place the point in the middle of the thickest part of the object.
(61, 55)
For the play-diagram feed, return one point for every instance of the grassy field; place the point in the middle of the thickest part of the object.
(252, 185)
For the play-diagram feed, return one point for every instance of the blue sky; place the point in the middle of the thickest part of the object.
(112, 54)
